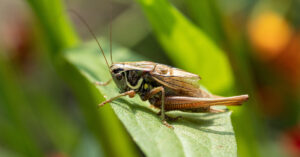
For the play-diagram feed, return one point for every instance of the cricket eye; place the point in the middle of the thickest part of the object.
(119, 76)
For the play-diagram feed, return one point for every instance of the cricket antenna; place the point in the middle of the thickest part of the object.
(92, 33)
(110, 33)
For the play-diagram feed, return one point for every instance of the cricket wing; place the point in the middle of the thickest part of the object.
(179, 102)
(178, 80)
(183, 86)
(142, 65)
(168, 71)
(160, 70)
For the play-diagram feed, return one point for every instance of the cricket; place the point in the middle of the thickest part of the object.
(166, 88)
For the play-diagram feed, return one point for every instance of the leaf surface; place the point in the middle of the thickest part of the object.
(195, 134)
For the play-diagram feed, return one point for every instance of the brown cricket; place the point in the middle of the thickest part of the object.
(165, 87)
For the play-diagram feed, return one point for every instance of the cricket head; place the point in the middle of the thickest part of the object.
(118, 74)
(126, 77)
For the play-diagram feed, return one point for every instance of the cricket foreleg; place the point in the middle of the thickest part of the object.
(103, 83)
(130, 93)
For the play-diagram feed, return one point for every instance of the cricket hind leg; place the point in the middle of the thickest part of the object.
(195, 103)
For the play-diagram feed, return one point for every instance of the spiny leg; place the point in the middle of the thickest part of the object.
(103, 83)
(162, 103)
(155, 91)
(162, 111)
(182, 102)
(130, 93)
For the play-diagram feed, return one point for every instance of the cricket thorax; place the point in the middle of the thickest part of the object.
(134, 79)
(141, 82)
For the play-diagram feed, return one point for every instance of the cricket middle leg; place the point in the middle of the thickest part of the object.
(155, 91)
(162, 111)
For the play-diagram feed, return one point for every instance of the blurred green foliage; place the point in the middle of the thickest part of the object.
(184, 43)
(59, 35)
(14, 130)
(41, 116)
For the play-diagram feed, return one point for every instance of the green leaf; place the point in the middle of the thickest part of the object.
(188, 46)
(195, 134)
(206, 15)
(15, 132)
